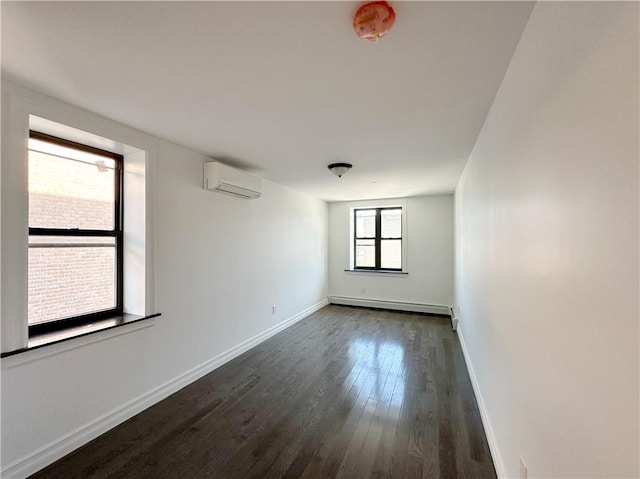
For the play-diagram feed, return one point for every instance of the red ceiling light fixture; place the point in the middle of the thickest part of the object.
(373, 20)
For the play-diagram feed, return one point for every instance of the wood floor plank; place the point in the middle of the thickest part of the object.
(345, 393)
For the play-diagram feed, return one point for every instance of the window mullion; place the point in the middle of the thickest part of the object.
(378, 245)
(355, 239)
(36, 135)
(119, 227)
(34, 231)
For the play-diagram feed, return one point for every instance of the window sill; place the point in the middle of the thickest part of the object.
(41, 340)
(376, 271)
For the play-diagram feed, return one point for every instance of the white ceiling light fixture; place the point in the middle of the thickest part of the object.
(339, 169)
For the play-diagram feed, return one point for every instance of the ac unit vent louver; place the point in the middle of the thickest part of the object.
(231, 181)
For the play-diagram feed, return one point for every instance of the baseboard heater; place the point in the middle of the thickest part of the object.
(393, 305)
(454, 319)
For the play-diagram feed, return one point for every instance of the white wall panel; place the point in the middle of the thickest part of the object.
(547, 247)
(216, 266)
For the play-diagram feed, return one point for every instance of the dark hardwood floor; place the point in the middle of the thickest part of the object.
(346, 392)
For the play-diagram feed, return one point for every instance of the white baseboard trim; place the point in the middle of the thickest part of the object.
(387, 304)
(54, 450)
(486, 423)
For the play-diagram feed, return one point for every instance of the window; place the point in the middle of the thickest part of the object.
(75, 272)
(377, 241)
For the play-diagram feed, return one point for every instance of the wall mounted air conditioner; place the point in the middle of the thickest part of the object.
(230, 181)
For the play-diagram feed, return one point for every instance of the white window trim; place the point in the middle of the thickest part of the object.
(23, 109)
(134, 227)
(358, 205)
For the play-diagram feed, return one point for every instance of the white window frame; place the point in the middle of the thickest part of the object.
(361, 205)
(24, 110)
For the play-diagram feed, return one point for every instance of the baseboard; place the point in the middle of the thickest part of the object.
(486, 423)
(387, 304)
(62, 446)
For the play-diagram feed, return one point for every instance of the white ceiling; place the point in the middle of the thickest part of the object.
(280, 88)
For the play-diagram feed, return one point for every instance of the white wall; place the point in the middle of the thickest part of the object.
(220, 263)
(429, 260)
(547, 247)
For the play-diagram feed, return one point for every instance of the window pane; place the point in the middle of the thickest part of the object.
(365, 223)
(391, 254)
(392, 223)
(70, 276)
(69, 188)
(365, 253)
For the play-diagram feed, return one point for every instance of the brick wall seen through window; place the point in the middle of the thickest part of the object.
(65, 281)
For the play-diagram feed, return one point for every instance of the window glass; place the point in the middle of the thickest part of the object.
(391, 223)
(71, 191)
(75, 236)
(391, 254)
(365, 253)
(365, 223)
(378, 238)
(70, 276)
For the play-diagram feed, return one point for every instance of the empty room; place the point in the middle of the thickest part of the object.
(342, 239)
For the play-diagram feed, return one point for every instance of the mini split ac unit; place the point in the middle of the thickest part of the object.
(230, 181)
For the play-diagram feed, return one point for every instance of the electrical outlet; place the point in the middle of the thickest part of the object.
(274, 309)
(524, 474)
